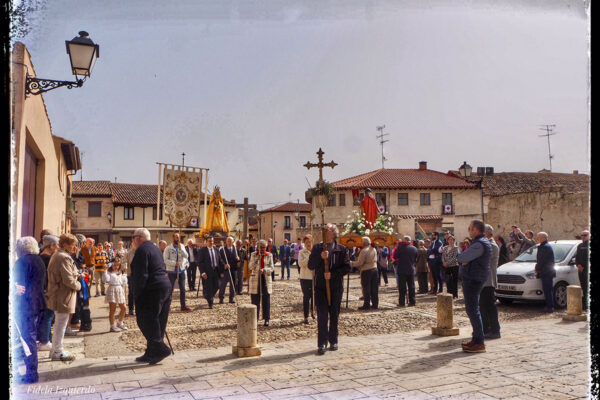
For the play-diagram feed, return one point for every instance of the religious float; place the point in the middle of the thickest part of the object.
(368, 222)
(216, 224)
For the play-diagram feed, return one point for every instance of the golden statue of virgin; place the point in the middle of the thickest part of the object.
(216, 218)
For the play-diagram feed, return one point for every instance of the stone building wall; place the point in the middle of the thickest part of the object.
(562, 215)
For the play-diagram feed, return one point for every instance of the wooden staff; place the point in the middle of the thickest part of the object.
(229, 270)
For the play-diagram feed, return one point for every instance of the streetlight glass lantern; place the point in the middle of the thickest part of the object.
(465, 170)
(83, 54)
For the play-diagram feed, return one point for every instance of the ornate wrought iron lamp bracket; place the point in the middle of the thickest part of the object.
(38, 86)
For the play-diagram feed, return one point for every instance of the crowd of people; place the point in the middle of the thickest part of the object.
(54, 277)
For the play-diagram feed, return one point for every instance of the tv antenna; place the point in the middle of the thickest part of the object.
(381, 141)
(549, 132)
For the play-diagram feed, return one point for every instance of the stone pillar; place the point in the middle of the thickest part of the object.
(246, 332)
(574, 304)
(445, 316)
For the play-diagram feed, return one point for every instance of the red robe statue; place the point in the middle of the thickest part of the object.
(369, 206)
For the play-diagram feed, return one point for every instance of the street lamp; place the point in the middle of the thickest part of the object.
(274, 226)
(297, 211)
(82, 53)
(109, 216)
(465, 171)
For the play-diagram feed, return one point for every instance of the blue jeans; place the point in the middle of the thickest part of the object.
(285, 264)
(44, 325)
(472, 291)
(548, 289)
(396, 275)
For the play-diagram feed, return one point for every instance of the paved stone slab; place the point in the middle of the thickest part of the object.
(522, 364)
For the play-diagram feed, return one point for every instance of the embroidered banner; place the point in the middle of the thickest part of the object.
(182, 191)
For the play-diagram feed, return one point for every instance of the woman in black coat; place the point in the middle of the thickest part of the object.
(503, 252)
(29, 275)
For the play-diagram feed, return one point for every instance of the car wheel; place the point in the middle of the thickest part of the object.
(560, 295)
(505, 301)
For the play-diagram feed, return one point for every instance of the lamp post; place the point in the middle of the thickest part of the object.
(82, 52)
(465, 171)
(274, 226)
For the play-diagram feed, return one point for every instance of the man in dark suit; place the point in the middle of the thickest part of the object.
(211, 266)
(544, 268)
(152, 291)
(339, 265)
(192, 251)
(405, 257)
(285, 252)
(230, 260)
(582, 262)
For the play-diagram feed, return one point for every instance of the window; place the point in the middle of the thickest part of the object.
(154, 213)
(331, 202)
(342, 200)
(380, 198)
(128, 212)
(287, 236)
(94, 208)
(302, 221)
(446, 199)
(402, 199)
(287, 222)
(425, 199)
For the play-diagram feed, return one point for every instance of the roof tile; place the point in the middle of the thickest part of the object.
(290, 207)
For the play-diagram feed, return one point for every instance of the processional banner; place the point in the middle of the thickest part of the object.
(182, 189)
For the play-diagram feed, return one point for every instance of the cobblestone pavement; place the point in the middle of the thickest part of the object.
(541, 359)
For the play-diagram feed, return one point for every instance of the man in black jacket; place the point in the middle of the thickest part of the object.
(339, 265)
(544, 268)
(211, 266)
(581, 260)
(405, 258)
(230, 260)
(152, 292)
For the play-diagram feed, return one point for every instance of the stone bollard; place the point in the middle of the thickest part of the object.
(445, 316)
(246, 332)
(574, 304)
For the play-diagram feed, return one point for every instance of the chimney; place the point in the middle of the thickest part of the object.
(422, 165)
(575, 172)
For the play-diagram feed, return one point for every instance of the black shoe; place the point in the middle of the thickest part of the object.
(210, 306)
(157, 359)
(306, 321)
(364, 308)
(375, 307)
(333, 347)
(143, 358)
(411, 304)
(103, 294)
(85, 328)
(221, 301)
(232, 301)
(322, 350)
(267, 322)
(131, 313)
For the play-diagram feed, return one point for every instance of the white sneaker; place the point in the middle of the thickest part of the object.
(121, 326)
(114, 328)
(71, 332)
(64, 356)
(45, 346)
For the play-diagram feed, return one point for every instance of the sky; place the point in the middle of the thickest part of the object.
(252, 88)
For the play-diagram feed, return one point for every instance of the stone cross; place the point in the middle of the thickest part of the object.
(246, 207)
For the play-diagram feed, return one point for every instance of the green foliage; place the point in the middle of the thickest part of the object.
(356, 224)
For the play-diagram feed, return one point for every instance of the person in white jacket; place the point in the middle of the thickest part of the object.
(306, 278)
(176, 263)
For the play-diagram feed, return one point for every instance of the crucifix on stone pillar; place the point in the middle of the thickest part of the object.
(182, 159)
(320, 183)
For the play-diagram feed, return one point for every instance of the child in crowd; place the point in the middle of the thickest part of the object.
(115, 294)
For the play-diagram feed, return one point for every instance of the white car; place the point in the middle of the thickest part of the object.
(517, 280)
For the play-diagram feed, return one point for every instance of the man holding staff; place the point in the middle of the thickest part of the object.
(211, 266)
(261, 286)
(329, 286)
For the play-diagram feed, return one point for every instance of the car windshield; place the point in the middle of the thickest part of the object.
(561, 251)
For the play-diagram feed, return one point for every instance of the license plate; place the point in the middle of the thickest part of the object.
(507, 287)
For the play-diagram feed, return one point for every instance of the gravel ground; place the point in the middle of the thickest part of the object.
(205, 328)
